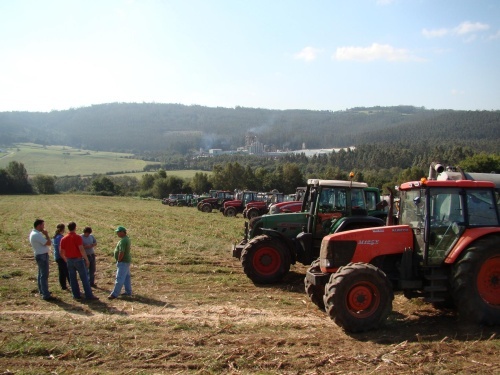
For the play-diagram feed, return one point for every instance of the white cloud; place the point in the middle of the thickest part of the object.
(469, 27)
(436, 33)
(456, 92)
(308, 54)
(385, 2)
(465, 28)
(374, 52)
(495, 36)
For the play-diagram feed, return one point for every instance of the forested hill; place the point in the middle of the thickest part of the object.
(143, 127)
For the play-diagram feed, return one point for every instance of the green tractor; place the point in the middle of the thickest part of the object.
(272, 243)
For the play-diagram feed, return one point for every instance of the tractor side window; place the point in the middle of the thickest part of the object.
(481, 208)
(358, 199)
(371, 200)
(333, 199)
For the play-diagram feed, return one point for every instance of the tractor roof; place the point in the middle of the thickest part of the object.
(339, 183)
(448, 183)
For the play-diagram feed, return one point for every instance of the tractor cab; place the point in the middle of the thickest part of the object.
(439, 212)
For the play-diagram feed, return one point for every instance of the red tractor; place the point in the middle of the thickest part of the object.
(216, 201)
(261, 207)
(236, 206)
(445, 249)
(290, 203)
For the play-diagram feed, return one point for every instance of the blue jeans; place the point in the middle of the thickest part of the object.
(122, 279)
(42, 260)
(78, 265)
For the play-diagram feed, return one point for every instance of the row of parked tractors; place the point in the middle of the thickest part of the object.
(437, 238)
(249, 203)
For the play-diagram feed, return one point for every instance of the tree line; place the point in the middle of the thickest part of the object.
(253, 173)
(174, 129)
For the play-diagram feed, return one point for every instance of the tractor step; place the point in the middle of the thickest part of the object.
(434, 299)
(436, 276)
(435, 288)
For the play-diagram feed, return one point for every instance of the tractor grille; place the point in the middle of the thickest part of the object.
(343, 252)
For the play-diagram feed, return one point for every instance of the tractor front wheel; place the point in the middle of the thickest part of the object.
(476, 282)
(206, 207)
(315, 292)
(358, 297)
(265, 260)
(230, 211)
(251, 213)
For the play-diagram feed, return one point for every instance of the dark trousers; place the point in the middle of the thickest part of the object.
(63, 273)
(91, 268)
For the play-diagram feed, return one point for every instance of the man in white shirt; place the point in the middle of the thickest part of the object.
(40, 242)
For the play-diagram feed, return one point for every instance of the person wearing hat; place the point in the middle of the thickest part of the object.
(123, 258)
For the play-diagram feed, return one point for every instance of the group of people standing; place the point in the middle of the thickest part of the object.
(75, 255)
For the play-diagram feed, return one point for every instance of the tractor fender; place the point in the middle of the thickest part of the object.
(290, 245)
(468, 237)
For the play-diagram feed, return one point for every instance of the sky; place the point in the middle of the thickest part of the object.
(274, 54)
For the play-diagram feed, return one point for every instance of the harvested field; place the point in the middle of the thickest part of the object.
(193, 309)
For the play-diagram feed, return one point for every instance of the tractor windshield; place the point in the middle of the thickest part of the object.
(411, 208)
(446, 222)
(248, 197)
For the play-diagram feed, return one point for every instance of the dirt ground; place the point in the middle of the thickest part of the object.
(194, 311)
(144, 334)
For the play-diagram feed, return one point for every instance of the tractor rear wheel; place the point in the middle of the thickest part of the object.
(476, 282)
(315, 292)
(206, 207)
(358, 297)
(251, 213)
(230, 211)
(265, 260)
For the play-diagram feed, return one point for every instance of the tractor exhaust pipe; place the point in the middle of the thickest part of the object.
(434, 170)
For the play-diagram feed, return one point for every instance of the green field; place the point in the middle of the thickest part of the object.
(194, 311)
(185, 174)
(66, 161)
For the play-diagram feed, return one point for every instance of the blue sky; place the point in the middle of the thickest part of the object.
(276, 54)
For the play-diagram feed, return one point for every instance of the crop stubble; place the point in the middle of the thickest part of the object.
(194, 311)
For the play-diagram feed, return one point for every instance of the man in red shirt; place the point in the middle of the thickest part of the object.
(72, 251)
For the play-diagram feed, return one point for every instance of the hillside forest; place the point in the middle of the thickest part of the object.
(388, 145)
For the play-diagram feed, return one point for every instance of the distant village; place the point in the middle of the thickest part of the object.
(253, 146)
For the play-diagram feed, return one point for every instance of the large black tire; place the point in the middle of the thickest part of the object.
(206, 207)
(230, 211)
(476, 282)
(265, 260)
(251, 213)
(315, 292)
(198, 205)
(358, 297)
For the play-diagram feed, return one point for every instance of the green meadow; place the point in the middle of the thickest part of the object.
(67, 161)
